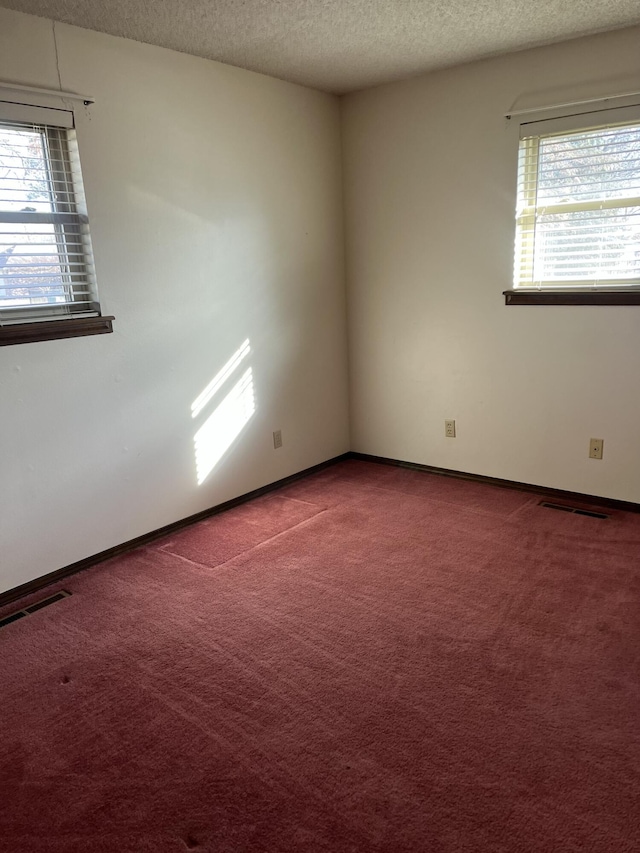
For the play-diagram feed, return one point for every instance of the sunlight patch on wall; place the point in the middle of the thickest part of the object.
(226, 422)
(219, 379)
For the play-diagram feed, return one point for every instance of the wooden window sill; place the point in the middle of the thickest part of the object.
(571, 297)
(51, 330)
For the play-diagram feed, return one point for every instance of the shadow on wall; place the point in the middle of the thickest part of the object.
(230, 416)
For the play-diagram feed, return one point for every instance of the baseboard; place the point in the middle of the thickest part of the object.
(543, 491)
(558, 494)
(38, 583)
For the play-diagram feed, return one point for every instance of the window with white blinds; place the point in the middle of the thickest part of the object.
(46, 268)
(578, 210)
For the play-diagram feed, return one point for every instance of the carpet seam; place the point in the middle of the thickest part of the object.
(255, 547)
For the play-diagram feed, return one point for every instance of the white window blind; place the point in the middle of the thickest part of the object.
(46, 269)
(578, 210)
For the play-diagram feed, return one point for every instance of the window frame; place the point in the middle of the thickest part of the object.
(549, 124)
(76, 317)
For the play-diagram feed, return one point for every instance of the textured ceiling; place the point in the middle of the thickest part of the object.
(341, 45)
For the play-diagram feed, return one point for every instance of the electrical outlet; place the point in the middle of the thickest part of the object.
(450, 429)
(277, 439)
(595, 448)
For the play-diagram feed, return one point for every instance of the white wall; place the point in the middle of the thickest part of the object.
(216, 211)
(430, 167)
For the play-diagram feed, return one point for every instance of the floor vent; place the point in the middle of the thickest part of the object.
(33, 608)
(574, 509)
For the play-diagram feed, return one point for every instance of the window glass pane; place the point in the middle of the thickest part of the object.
(588, 244)
(24, 172)
(596, 165)
(31, 272)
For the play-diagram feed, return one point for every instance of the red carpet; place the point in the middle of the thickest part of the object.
(372, 659)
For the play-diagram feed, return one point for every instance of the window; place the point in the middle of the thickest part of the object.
(47, 282)
(578, 210)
